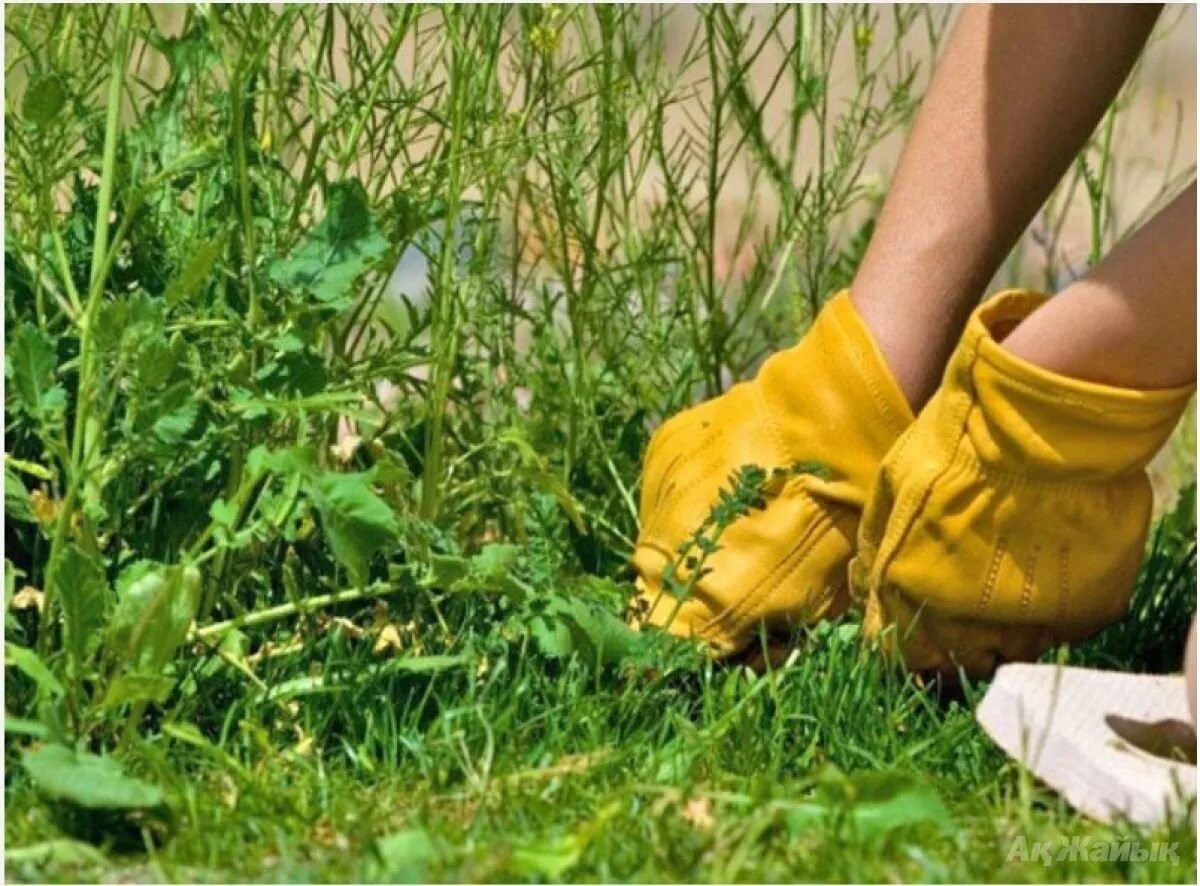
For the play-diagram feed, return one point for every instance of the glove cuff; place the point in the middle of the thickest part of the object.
(833, 399)
(1027, 420)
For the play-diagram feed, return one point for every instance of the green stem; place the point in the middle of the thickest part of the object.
(444, 321)
(85, 444)
(88, 427)
(285, 610)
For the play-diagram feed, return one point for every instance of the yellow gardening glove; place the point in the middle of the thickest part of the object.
(829, 400)
(1012, 515)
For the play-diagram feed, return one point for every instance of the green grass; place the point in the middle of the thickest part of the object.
(253, 648)
(661, 766)
(545, 770)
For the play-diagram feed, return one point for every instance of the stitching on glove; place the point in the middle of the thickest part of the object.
(1114, 400)
(662, 478)
(776, 435)
(658, 547)
(1064, 553)
(993, 573)
(1012, 480)
(1027, 586)
(672, 490)
(862, 363)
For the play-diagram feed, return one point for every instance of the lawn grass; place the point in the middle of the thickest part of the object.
(335, 336)
(547, 772)
(509, 765)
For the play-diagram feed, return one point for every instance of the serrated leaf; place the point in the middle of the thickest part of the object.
(357, 522)
(44, 98)
(88, 780)
(81, 590)
(489, 571)
(173, 427)
(568, 626)
(155, 606)
(196, 272)
(343, 246)
(33, 361)
(27, 662)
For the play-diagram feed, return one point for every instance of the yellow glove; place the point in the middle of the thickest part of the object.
(1012, 515)
(830, 400)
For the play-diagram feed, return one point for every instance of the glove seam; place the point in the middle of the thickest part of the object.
(908, 506)
(1010, 478)
(1063, 390)
(861, 361)
(776, 434)
(668, 496)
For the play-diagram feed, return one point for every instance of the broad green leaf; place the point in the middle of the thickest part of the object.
(356, 521)
(403, 856)
(803, 817)
(300, 460)
(343, 246)
(155, 606)
(445, 570)
(27, 662)
(553, 636)
(884, 801)
(16, 498)
(610, 640)
(138, 687)
(32, 358)
(88, 780)
(24, 726)
(64, 852)
(494, 562)
(44, 98)
(197, 271)
(81, 591)
(552, 857)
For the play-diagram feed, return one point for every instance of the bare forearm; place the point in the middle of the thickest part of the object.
(1014, 97)
(1131, 321)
